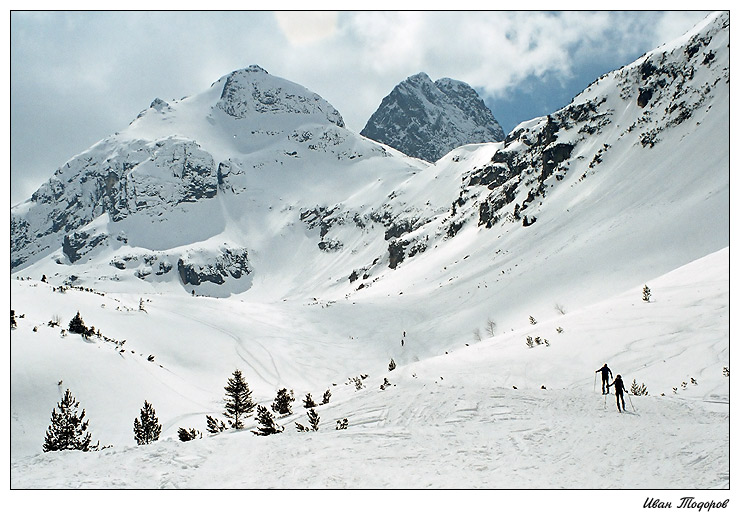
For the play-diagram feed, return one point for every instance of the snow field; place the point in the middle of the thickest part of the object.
(452, 420)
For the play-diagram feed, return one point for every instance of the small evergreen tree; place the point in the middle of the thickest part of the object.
(214, 425)
(76, 325)
(148, 429)
(313, 419)
(530, 342)
(326, 397)
(308, 402)
(636, 389)
(238, 400)
(532, 320)
(68, 431)
(13, 323)
(391, 366)
(267, 426)
(188, 435)
(646, 294)
(282, 403)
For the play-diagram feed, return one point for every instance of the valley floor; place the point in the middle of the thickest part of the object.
(440, 434)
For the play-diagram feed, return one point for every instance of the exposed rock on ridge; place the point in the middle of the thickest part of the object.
(427, 119)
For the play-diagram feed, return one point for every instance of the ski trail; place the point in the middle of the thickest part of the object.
(254, 363)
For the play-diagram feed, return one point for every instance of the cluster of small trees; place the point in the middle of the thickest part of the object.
(68, 429)
(239, 405)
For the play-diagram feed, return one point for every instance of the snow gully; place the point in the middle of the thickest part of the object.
(685, 503)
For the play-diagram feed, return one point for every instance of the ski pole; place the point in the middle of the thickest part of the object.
(630, 398)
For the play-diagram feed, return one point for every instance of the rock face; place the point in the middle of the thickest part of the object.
(427, 119)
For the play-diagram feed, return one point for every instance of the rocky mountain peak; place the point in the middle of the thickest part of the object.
(253, 90)
(427, 119)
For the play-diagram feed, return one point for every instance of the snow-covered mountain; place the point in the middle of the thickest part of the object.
(427, 119)
(318, 255)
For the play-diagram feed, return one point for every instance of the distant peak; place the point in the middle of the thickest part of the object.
(419, 77)
(255, 68)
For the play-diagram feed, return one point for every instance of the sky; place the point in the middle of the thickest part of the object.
(77, 77)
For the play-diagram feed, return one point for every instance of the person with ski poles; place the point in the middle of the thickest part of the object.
(605, 374)
(618, 385)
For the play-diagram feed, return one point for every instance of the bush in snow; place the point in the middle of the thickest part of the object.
(391, 365)
(188, 435)
(476, 335)
(267, 424)
(68, 430)
(385, 384)
(726, 371)
(640, 389)
(282, 403)
(238, 400)
(559, 330)
(148, 429)
(646, 294)
(13, 323)
(214, 425)
(308, 402)
(326, 397)
(560, 308)
(491, 327)
(357, 381)
(342, 425)
(313, 419)
(530, 342)
(532, 320)
(76, 325)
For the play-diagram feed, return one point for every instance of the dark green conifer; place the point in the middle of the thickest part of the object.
(238, 400)
(68, 430)
(267, 424)
(148, 429)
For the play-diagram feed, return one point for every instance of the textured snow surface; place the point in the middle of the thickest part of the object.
(451, 420)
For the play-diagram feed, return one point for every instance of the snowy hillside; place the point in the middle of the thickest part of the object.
(454, 419)
(246, 228)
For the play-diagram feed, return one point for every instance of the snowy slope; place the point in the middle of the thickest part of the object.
(317, 256)
(452, 420)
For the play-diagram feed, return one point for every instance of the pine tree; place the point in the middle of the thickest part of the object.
(282, 404)
(188, 435)
(640, 389)
(313, 419)
(238, 400)
(646, 294)
(68, 431)
(76, 325)
(214, 425)
(308, 402)
(148, 429)
(326, 397)
(268, 426)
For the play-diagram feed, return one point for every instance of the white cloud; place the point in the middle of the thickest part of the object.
(306, 27)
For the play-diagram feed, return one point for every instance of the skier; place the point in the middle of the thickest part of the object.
(618, 385)
(605, 374)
